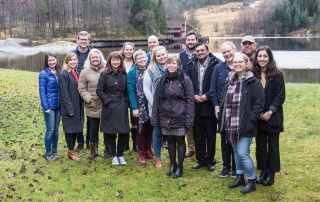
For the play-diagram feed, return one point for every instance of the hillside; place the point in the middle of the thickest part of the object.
(215, 16)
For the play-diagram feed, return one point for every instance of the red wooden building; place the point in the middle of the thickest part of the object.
(177, 28)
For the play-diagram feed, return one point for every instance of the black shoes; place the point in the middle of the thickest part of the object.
(224, 173)
(269, 180)
(262, 177)
(211, 167)
(198, 166)
(250, 186)
(178, 173)
(238, 182)
(173, 169)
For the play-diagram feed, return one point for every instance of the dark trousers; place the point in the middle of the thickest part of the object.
(227, 153)
(204, 135)
(94, 129)
(80, 137)
(71, 140)
(116, 149)
(267, 151)
(144, 137)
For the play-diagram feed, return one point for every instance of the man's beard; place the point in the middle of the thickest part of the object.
(192, 48)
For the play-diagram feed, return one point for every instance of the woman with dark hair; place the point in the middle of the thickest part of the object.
(89, 76)
(71, 104)
(240, 109)
(271, 120)
(139, 106)
(49, 97)
(127, 55)
(173, 110)
(112, 90)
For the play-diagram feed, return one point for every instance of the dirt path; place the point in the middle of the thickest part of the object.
(214, 17)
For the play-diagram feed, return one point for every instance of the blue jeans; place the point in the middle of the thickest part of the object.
(244, 163)
(157, 140)
(52, 122)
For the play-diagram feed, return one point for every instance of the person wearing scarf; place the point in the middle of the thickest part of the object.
(139, 106)
(154, 71)
(89, 76)
(71, 103)
(173, 110)
(240, 109)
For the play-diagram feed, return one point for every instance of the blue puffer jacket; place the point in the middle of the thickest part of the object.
(48, 90)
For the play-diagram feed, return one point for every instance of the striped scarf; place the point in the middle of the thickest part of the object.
(233, 99)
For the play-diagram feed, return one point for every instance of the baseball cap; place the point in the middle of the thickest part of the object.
(248, 38)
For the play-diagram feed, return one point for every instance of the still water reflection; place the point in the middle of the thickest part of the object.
(300, 45)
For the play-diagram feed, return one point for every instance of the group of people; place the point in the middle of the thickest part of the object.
(193, 94)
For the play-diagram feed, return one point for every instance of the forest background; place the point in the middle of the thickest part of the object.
(61, 19)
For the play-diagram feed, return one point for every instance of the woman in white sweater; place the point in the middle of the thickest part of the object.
(155, 70)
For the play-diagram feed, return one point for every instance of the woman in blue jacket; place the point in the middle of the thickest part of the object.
(49, 96)
(218, 80)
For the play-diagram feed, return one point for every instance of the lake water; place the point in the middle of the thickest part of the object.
(298, 57)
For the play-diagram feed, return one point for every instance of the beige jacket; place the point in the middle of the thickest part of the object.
(87, 89)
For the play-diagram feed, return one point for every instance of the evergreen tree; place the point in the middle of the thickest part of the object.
(161, 18)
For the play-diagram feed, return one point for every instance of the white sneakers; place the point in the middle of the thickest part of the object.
(118, 160)
(122, 160)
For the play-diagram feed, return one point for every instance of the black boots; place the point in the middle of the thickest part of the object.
(173, 169)
(93, 150)
(238, 182)
(269, 180)
(250, 186)
(178, 173)
(262, 177)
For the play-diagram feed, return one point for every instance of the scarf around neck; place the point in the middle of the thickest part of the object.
(155, 73)
(233, 99)
(143, 115)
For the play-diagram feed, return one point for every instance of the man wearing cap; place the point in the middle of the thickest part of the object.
(248, 45)
(185, 56)
(152, 43)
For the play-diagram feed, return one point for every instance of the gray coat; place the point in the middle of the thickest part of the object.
(112, 90)
(70, 103)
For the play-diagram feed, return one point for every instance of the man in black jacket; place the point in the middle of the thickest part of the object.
(200, 70)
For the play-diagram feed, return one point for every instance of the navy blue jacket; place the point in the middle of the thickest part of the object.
(185, 59)
(48, 90)
(218, 79)
(81, 58)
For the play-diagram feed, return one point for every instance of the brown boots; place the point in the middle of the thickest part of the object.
(93, 150)
(141, 157)
(106, 151)
(72, 155)
(149, 154)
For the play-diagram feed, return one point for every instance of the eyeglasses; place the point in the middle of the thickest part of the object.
(200, 51)
(238, 62)
(247, 43)
(140, 58)
(83, 39)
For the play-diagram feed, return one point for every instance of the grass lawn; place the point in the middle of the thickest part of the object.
(26, 175)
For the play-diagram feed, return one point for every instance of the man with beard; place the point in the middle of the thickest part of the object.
(200, 70)
(152, 43)
(248, 46)
(185, 56)
(82, 51)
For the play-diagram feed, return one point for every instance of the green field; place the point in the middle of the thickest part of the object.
(26, 175)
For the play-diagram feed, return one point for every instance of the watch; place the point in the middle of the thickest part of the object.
(270, 112)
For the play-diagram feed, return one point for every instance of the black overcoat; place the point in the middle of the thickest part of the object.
(71, 103)
(112, 90)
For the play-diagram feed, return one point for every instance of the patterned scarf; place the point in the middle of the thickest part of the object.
(231, 123)
(155, 73)
(143, 115)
